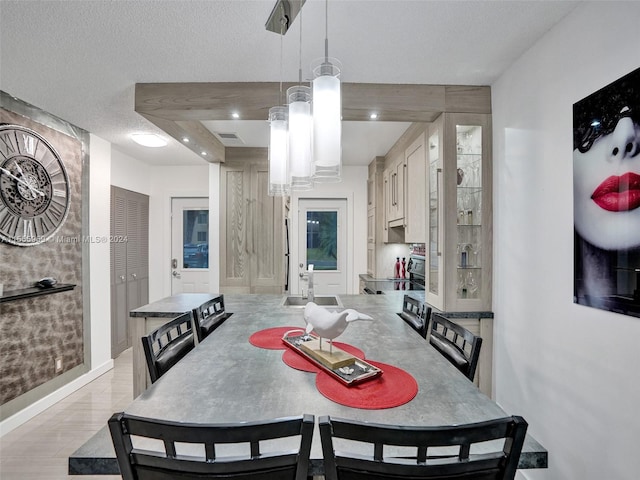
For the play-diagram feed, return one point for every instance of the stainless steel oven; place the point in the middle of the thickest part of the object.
(416, 269)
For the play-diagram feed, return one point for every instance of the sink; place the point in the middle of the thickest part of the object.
(322, 300)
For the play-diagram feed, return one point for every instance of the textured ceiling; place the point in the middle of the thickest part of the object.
(80, 60)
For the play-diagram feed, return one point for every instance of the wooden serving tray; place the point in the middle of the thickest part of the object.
(341, 365)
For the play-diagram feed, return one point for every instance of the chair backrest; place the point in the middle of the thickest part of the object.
(416, 314)
(209, 316)
(188, 451)
(456, 343)
(166, 345)
(433, 453)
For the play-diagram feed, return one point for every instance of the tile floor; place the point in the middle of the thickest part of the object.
(40, 448)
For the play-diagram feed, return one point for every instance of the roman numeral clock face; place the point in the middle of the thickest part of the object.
(34, 187)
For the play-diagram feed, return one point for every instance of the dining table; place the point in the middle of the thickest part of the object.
(228, 379)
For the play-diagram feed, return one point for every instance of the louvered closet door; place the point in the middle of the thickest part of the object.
(119, 313)
(129, 261)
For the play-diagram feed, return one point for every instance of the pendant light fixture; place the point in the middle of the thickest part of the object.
(300, 130)
(327, 115)
(278, 152)
(279, 183)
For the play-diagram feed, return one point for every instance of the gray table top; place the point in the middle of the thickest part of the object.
(230, 380)
(171, 307)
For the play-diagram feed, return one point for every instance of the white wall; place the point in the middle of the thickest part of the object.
(99, 253)
(129, 173)
(570, 370)
(353, 187)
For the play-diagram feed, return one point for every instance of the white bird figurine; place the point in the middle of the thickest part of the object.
(329, 324)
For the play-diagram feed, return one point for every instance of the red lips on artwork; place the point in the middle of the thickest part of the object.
(618, 194)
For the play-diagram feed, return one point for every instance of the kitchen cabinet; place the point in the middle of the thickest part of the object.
(378, 231)
(414, 189)
(251, 226)
(375, 207)
(395, 175)
(458, 214)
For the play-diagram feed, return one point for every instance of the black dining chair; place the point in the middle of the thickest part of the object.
(209, 316)
(189, 451)
(416, 314)
(456, 344)
(168, 344)
(435, 453)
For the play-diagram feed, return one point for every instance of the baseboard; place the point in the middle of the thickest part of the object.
(41, 405)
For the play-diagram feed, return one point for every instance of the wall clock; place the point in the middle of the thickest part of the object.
(34, 187)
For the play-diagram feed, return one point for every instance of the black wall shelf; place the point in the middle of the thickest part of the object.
(19, 294)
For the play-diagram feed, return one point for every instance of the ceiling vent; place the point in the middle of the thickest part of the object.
(230, 139)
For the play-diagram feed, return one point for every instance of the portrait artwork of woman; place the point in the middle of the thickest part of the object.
(606, 197)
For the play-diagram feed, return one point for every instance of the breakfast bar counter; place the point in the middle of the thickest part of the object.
(228, 379)
(144, 319)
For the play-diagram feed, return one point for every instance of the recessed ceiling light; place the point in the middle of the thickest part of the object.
(235, 115)
(185, 140)
(148, 139)
(373, 116)
(204, 154)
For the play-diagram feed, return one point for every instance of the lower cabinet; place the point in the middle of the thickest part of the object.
(251, 226)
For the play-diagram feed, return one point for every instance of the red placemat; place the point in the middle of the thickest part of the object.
(271, 338)
(297, 361)
(394, 388)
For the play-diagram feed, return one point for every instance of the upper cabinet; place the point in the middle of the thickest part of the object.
(415, 159)
(395, 175)
(458, 214)
(404, 194)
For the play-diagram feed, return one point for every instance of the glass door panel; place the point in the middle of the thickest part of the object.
(469, 210)
(322, 240)
(195, 239)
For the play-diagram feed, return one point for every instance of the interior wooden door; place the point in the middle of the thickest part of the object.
(234, 235)
(251, 226)
(265, 231)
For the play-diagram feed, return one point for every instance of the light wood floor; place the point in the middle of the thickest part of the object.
(40, 448)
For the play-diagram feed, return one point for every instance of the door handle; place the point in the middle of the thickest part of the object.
(175, 274)
(134, 276)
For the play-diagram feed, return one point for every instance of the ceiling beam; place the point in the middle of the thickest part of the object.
(179, 108)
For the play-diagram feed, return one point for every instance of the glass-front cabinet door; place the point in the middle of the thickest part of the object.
(435, 273)
(469, 207)
(459, 215)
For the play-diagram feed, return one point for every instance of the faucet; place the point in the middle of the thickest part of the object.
(310, 294)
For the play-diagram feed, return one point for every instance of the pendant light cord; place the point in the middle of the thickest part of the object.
(300, 51)
(326, 31)
(282, 22)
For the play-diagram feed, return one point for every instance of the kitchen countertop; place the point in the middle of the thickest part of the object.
(388, 288)
(268, 388)
(171, 307)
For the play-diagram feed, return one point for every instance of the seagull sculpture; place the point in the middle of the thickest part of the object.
(329, 324)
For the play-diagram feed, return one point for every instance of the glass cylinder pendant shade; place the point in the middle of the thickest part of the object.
(327, 123)
(300, 130)
(278, 149)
